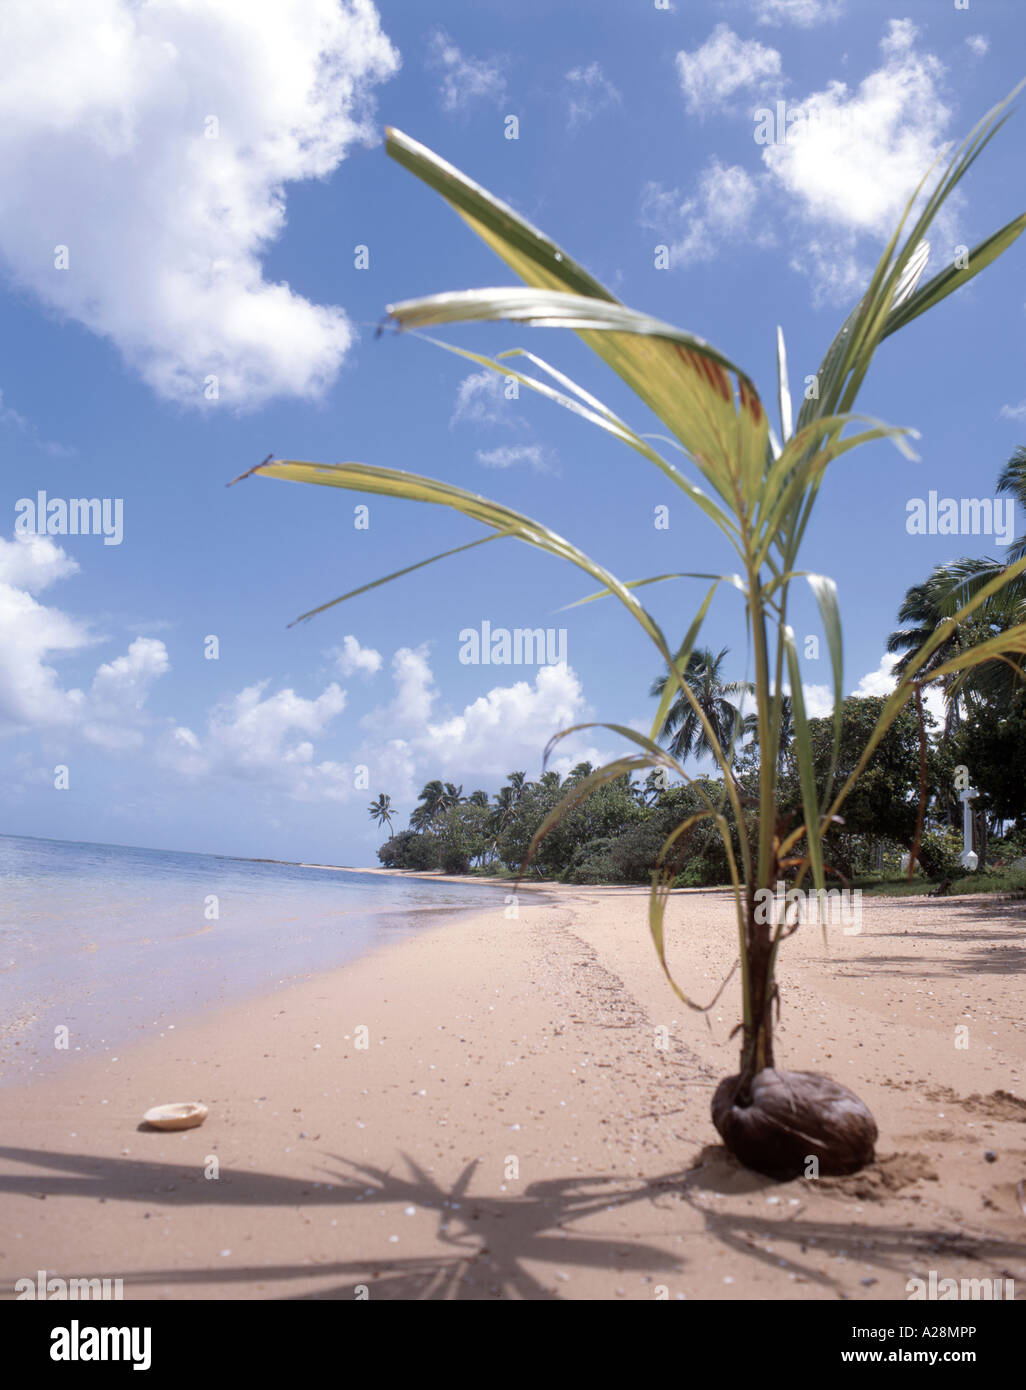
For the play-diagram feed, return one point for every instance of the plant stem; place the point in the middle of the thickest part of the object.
(757, 1047)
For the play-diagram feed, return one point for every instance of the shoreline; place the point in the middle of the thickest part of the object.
(16, 1070)
(514, 1129)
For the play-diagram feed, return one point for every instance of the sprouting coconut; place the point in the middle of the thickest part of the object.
(759, 491)
(792, 1124)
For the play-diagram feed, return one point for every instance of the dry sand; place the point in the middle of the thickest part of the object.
(514, 1130)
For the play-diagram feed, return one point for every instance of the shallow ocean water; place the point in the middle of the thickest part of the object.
(114, 943)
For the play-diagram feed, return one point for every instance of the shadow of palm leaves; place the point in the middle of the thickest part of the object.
(491, 1237)
(496, 1239)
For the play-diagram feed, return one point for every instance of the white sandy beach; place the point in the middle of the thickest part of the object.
(514, 1130)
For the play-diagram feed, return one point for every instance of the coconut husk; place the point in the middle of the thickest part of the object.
(794, 1116)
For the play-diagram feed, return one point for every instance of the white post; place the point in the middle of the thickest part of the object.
(968, 859)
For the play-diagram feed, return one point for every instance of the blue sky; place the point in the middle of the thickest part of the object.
(235, 257)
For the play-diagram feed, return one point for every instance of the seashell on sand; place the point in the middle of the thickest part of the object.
(183, 1114)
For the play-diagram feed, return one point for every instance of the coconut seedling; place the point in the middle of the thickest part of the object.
(759, 490)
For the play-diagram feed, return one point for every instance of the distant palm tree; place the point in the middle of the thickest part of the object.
(952, 585)
(682, 725)
(502, 813)
(750, 726)
(649, 792)
(924, 608)
(517, 782)
(478, 798)
(967, 576)
(506, 800)
(426, 812)
(1012, 480)
(435, 799)
(381, 811)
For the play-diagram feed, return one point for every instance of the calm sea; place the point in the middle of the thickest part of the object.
(114, 942)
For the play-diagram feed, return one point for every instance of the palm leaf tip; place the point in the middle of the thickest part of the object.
(250, 471)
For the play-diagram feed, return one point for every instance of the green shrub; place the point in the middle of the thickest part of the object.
(1010, 848)
(455, 860)
(700, 872)
(938, 855)
(593, 863)
(409, 850)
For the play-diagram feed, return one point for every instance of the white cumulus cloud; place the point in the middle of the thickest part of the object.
(32, 562)
(411, 739)
(819, 700)
(252, 731)
(856, 159)
(119, 692)
(509, 726)
(154, 142)
(33, 637)
(125, 681)
(723, 65)
(351, 657)
(878, 682)
(852, 161)
(266, 739)
(839, 164)
(415, 693)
